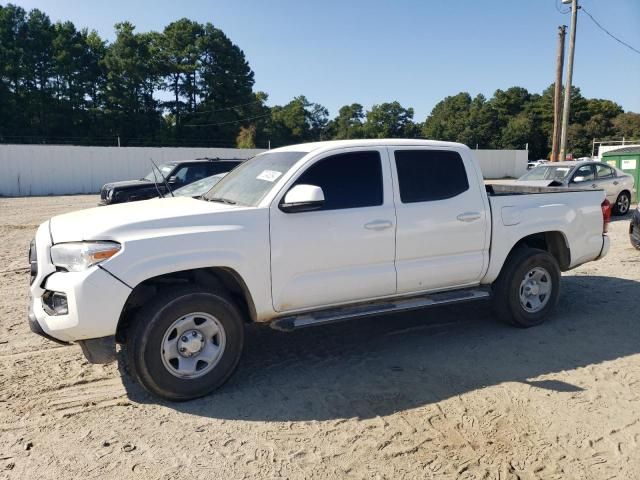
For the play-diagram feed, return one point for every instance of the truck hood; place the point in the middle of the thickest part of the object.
(127, 184)
(115, 222)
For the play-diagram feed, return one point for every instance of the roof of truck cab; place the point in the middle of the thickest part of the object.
(377, 142)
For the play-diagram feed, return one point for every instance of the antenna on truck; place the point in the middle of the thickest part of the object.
(164, 180)
(155, 179)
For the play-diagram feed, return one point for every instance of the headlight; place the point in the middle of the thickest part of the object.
(77, 256)
(110, 194)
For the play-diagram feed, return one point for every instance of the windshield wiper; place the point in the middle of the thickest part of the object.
(221, 200)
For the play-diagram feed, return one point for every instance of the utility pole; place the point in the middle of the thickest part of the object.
(557, 94)
(567, 90)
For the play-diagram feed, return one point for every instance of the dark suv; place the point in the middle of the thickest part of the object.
(177, 174)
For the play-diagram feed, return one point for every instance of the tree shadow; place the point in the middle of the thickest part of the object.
(378, 366)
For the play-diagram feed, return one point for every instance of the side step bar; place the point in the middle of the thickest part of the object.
(339, 314)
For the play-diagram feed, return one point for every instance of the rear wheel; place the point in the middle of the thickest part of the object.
(623, 202)
(185, 344)
(528, 287)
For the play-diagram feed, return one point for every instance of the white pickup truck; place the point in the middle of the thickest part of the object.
(300, 236)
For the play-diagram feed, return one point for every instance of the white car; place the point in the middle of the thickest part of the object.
(535, 163)
(300, 236)
(586, 175)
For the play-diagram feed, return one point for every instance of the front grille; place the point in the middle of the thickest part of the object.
(33, 261)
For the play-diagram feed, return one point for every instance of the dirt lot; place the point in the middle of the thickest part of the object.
(446, 393)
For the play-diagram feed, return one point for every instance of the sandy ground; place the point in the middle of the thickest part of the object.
(442, 393)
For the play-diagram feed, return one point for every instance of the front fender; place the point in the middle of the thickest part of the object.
(242, 249)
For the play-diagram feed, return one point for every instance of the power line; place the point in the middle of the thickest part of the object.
(609, 33)
(223, 109)
(227, 123)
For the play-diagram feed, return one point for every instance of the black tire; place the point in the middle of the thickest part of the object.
(622, 205)
(144, 346)
(634, 235)
(507, 288)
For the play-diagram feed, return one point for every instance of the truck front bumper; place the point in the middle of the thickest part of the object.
(94, 301)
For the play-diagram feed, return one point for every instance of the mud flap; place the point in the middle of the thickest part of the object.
(99, 350)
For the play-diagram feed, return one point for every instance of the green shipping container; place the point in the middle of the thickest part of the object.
(626, 159)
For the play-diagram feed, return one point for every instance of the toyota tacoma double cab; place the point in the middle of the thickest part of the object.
(300, 236)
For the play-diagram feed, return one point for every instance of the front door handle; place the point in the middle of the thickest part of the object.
(615, 182)
(469, 216)
(594, 185)
(378, 225)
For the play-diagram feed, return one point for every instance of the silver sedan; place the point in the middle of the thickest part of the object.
(589, 175)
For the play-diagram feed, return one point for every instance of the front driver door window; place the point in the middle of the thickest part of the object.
(584, 174)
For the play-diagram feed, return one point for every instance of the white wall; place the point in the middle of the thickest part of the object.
(58, 169)
(502, 163)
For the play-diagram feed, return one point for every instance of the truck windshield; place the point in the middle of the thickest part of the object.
(165, 169)
(250, 182)
(545, 172)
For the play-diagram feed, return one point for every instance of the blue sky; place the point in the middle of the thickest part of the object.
(417, 52)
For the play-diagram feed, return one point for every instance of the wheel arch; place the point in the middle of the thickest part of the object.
(214, 278)
(554, 242)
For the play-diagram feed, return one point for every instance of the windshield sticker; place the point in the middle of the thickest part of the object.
(269, 175)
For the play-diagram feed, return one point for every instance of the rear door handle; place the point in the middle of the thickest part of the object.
(469, 216)
(594, 185)
(378, 225)
(615, 182)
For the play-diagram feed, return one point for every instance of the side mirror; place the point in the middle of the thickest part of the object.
(303, 198)
(578, 179)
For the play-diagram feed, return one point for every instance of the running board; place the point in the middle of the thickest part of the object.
(339, 314)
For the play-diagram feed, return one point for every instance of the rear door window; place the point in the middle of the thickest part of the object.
(430, 175)
(604, 171)
(190, 173)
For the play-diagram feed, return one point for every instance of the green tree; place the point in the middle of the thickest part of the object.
(179, 56)
(449, 118)
(246, 137)
(627, 125)
(298, 121)
(225, 86)
(38, 67)
(389, 120)
(348, 123)
(131, 81)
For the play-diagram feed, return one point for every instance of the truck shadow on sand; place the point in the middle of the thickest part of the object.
(378, 366)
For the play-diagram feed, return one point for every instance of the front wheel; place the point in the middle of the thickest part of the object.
(185, 344)
(528, 287)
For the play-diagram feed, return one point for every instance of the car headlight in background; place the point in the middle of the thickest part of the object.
(110, 194)
(78, 256)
